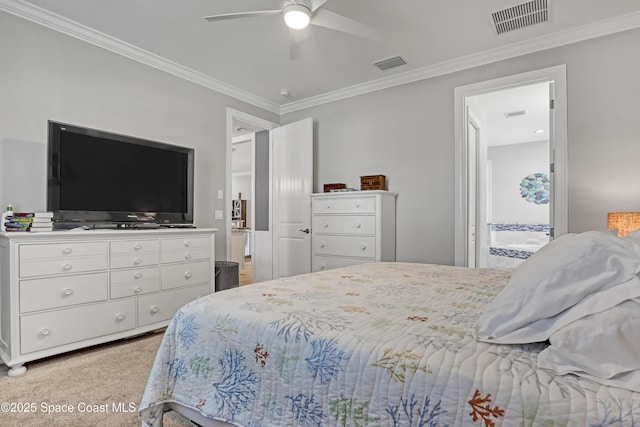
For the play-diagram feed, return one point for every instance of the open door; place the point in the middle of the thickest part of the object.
(292, 185)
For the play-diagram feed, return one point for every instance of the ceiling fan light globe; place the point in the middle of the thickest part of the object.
(297, 17)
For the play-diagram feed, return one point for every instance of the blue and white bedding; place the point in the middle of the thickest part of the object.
(385, 344)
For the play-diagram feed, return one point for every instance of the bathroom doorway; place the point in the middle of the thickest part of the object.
(512, 138)
(510, 178)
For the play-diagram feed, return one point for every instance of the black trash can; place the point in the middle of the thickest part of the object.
(227, 275)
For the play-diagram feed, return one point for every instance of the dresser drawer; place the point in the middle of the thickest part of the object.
(54, 292)
(185, 274)
(162, 306)
(185, 249)
(364, 204)
(60, 327)
(353, 246)
(137, 281)
(69, 265)
(134, 259)
(185, 255)
(320, 263)
(134, 246)
(50, 259)
(185, 243)
(344, 224)
(62, 250)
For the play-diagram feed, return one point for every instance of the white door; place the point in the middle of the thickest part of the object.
(292, 186)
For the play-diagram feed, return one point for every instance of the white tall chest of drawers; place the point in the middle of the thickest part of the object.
(352, 227)
(64, 290)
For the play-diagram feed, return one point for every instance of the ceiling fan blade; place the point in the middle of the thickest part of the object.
(326, 18)
(315, 4)
(241, 15)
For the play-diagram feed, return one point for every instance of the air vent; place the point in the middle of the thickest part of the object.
(390, 63)
(520, 16)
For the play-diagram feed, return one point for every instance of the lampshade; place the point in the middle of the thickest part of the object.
(625, 222)
(297, 16)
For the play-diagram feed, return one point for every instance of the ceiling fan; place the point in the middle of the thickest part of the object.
(298, 14)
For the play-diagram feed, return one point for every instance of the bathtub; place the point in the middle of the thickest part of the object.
(511, 244)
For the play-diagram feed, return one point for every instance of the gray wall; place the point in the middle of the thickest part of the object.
(509, 165)
(407, 134)
(46, 75)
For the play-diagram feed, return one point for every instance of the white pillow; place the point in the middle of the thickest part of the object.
(569, 278)
(601, 346)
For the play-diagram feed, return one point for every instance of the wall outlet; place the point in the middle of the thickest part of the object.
(219, 214)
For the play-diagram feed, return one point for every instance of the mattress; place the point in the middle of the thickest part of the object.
(373, 344)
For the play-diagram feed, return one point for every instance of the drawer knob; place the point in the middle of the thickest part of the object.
(67, 291)
(137, 276)
(358, 225)
(66, 267)
(322, 266)
(137, 261)
(137, 247)
(45, 332)
(328, 206)
(187, 275)
(137, 290)
(120, 317)
(363, 247)
(357, 205)
(321, 245)
(187, 256)
(154, 309)
(325, 225)
(67, 251)
(187, 243)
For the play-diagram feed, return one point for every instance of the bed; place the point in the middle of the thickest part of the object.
(408, 344)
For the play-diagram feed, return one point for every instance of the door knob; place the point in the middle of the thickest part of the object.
(306, 230)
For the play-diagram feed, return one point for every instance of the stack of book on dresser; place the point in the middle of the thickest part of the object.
(29, 221)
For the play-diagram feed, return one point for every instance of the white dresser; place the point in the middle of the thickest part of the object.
(64, 290)
(352, 228)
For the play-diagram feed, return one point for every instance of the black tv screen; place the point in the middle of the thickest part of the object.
(102, 177)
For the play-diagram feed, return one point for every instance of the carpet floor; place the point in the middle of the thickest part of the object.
(101, 385)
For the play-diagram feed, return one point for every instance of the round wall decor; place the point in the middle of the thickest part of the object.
(535, 188)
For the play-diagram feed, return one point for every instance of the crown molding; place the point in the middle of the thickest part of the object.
(71, 28)
(585, 32)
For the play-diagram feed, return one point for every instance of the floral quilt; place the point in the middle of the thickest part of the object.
(385, 344)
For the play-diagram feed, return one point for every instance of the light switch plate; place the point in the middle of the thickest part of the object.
(220, 194)
(219, 214)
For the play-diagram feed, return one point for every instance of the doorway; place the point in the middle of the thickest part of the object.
(508, 138)
(244, 244)
(484, 153)
(282, 182)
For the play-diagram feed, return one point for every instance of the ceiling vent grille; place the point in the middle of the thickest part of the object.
(520, 16)
(390, 63)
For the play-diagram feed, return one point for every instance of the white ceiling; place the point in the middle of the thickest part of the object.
(492, 110)
(250, 57)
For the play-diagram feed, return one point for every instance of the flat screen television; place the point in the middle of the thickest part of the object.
(103, 179)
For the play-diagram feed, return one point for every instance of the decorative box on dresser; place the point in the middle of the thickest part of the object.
(64, 290)
(353, 227)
